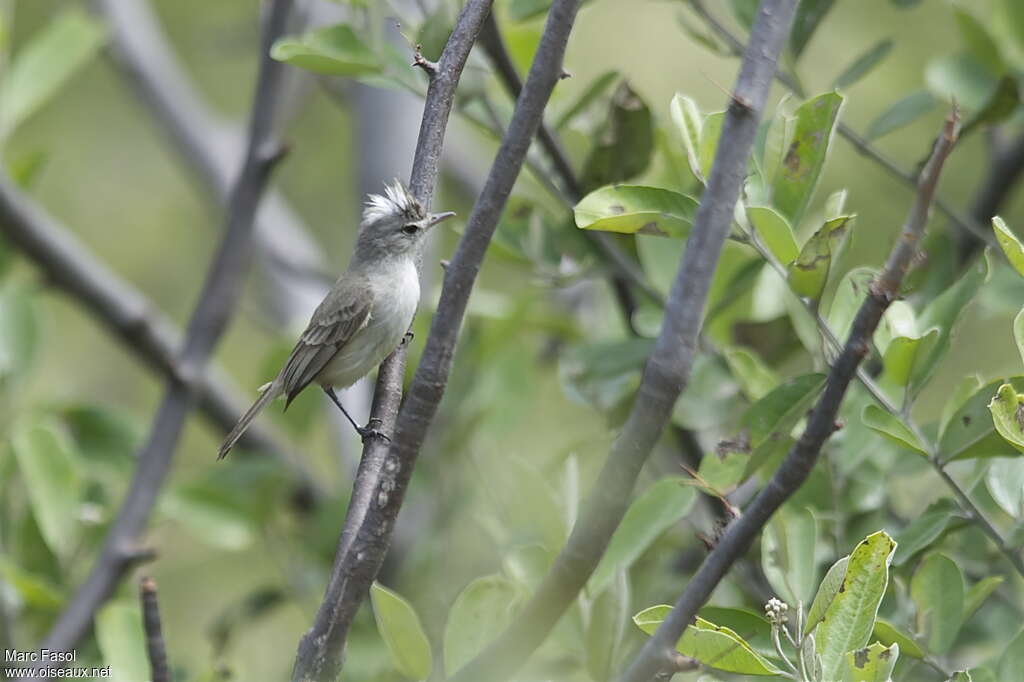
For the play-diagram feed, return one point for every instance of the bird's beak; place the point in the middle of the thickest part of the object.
(436, 218)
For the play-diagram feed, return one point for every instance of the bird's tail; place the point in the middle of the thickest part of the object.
(269, 392)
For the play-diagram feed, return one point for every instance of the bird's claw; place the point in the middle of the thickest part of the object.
(372, 430)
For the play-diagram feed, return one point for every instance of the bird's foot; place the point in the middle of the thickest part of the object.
(407, 339)
(372, 430)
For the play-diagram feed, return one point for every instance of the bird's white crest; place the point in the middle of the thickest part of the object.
(396, 200)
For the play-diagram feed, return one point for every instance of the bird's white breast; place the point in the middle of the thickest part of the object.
(395, 289)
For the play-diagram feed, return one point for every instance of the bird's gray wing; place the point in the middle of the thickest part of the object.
(334, 323)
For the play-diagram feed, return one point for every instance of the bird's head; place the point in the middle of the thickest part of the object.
(394, 223)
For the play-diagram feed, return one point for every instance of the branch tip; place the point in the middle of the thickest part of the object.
(419, 60)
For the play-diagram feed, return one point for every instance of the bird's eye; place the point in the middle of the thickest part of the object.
(411, 228)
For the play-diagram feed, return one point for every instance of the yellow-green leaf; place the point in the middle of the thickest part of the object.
(937, 589)
(775, 231)
(1009, 243)
(797, 177)
(713, 645)
(850, 617)
(872, 663)
(885, 424)
(808, 274)
(335, 50)
(402, 632)
(1007, 408)
(635, 209)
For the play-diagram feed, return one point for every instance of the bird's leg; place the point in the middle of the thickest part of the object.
(364, 432)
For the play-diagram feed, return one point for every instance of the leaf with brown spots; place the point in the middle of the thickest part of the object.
(805, 156)
(872, 663)
(808, 274)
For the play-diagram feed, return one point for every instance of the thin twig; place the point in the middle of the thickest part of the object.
(859, 142)
(155, 647)
(217, 300)
(127, 314)
(379, 487)
(667, 369)
(820, 425)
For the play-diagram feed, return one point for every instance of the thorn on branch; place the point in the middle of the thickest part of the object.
(155, 648)
(271, 153)
(565, 74)
(134, 556)
(419, 60)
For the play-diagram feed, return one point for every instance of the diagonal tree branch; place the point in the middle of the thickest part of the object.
(374, 504)
(125, 312)
(667, 369)
(212, 147)
(655, 656)
(217, 300)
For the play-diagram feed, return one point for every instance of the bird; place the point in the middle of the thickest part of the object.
(364, 316)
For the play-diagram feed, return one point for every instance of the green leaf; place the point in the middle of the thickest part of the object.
(753, 375)
(798, 175)
(937, 589)
(971, 432)
(905, 355)
(1009, 243)
(924, 530)
(850, 616)
(887, 633)
(594, 91)
(862, 65)
(48, 464)
(334, 50)
(713, 645)
(979, 592)
(827, 591)
(42, 66)
(635, 209)
(1018, 332)
(961, 77)
(943, 313)
(402, 632)
(808, 15)
(1012, 660)
(19, 332)
(605, 627)
(104, 436)
(901, 114)
(605, 373)
(1005, 480)
(433, 33)
(687, 119)
(648, 517)
(35, 590)
(710, 132)
(808, 274)
(977, 39)
(872, 663)
(1010, 15)
(122, 642)
(961, 393)
(770, 419)
(1007, 408)
(478, 615)
(787, 554)
(745, 11)
(623, 145)
(721, 473)
(961, 676)
(776, 233)
(882, 422)
(849, 295)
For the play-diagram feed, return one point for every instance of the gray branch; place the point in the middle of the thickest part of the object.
(125, 312)
(378, 490)
(667, 369)
(217, 300)
(656, 654)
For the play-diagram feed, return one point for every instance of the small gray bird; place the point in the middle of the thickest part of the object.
(366, 313)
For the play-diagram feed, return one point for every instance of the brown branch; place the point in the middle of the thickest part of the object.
(667, 369)
(217, 301)
(155, 649)
(374, 504)
(656, 654)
